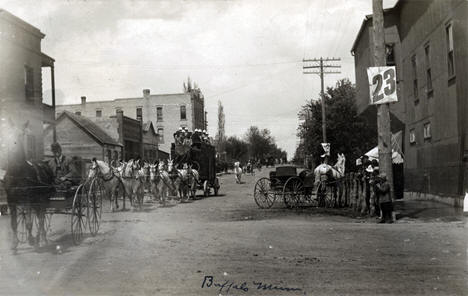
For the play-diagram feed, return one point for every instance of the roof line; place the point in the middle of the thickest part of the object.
(367, 18)
(71, 116)
(121, 99)
(23, 24)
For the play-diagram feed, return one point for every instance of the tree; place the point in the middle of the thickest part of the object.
(236, 149)
(220, 136)
(262, 144)
(347, 133)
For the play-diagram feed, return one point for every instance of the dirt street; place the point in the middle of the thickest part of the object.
(195, 248)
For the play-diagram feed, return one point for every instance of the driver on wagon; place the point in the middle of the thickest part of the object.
(65, 170)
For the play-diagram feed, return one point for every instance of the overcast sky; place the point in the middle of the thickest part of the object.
(247, 54)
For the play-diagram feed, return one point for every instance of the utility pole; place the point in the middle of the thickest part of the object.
(322, 69)
(383, 110)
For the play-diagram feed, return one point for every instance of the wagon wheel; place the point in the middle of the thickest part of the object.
(287, 197)
(95, 195)
(216, 186)
(79, 214)
(263, 194)
(206, 188)
(293, 192)
(325, 195)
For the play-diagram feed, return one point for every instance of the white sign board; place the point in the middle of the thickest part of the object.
(382, 85)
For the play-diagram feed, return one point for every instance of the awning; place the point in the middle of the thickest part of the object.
(374, 154)
(397, 154)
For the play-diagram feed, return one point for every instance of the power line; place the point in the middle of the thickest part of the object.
(321, 70)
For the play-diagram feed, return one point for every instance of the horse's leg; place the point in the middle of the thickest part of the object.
(115, 193)
(29, 224)
(110, 191)
(41, 233)
(124, 193)
(162, 189)
(14, 226)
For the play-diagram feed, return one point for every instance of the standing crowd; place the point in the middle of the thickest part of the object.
(373, 188)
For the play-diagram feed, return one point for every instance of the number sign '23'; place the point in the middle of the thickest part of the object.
(382, 85)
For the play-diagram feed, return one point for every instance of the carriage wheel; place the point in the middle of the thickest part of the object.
(325, 195)
(95, 195)
(216, 186)
(206, 189)
(79, 214)
(293, 192)
(263, 195)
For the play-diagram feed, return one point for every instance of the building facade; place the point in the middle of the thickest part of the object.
(21, 85)
(432, 65)
(434, 37)
(79, 136)
(167, 112)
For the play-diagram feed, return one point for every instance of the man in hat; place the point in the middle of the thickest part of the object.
(382, 188)
(64, 168)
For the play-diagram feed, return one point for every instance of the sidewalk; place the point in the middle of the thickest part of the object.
(426, 211)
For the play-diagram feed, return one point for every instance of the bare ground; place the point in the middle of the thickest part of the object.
(169, 251)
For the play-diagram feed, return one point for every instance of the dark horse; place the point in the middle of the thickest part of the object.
(29, 185)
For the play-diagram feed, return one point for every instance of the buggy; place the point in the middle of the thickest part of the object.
(295, 189)
(33, 207)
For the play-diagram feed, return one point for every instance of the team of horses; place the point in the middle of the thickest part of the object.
(130, 179)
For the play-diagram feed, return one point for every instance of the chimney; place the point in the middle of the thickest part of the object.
(83, 100)
(146, 93)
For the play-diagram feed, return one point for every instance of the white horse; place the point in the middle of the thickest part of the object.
(237, 172)
(111, 179)
(165, 182)
(337, 171)
(334, 173)
(155, 180)
(184, 180)
(133, 180)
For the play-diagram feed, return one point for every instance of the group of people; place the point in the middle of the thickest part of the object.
(185, 137)
(378, 196)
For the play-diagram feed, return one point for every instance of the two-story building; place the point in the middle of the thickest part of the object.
(432, 65)
(21, 84)
(21, 63)
(167, 112)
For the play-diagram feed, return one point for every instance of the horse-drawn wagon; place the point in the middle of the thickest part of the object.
(33, 198)
(320, 187)
(201, 158)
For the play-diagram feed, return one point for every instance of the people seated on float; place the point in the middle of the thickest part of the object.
(196, 138)
(177, 136)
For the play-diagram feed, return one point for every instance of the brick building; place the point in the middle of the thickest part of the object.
(432, 62)
(167, 112)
